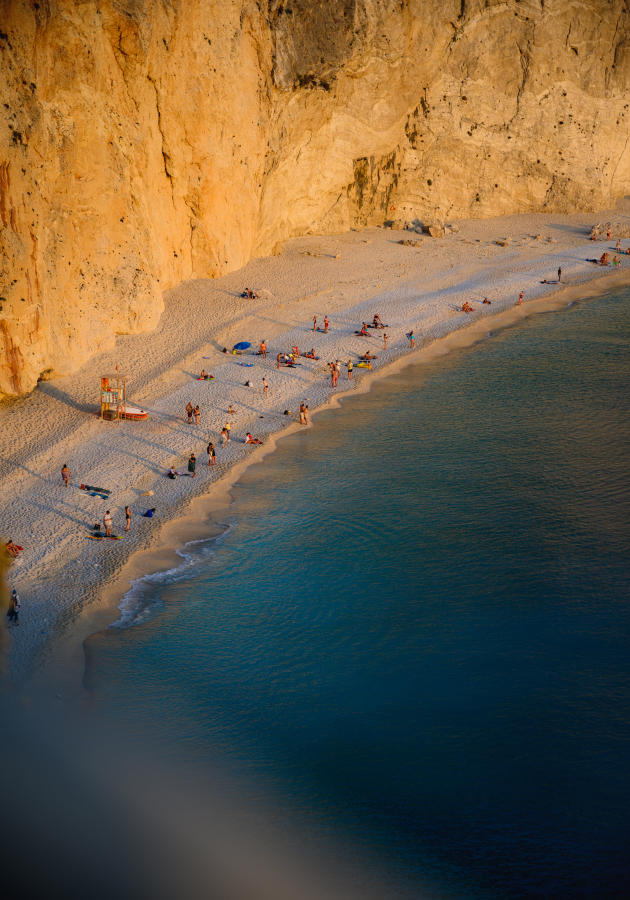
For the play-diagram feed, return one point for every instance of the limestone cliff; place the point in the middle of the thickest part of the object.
(148, 141)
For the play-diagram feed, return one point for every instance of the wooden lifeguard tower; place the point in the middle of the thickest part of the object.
(114, 399)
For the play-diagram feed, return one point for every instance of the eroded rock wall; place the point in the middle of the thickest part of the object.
(144, 142)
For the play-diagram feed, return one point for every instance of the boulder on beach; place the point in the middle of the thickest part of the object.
(408, 243)
(435, 230)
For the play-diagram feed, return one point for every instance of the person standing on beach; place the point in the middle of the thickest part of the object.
(265, 387)
(325, 324)
(14, 608)
(65, 474)
(278, 358)
(350, 370)
(520, 299)
(127, 518)
(211, 454)
(107, 522)
(314, 323)
(192, 462)
(196, 411)
(189, 411)
(559, 274)
(618, 244)
(306, 413)
(333, 374)
(385, 339)
(608, 235)
(225, 437)
(411, 339)
(302, 422)
(228, 428)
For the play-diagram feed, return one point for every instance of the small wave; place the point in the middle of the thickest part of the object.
(141, 604)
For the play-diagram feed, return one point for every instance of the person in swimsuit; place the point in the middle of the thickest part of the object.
(265, 387)
(263, 350)
(520, 299)
(252, 440)
(314, 323)
(12, 549)
(350, 367)
(192, 462)
(196, 411)
(189, 412)
(411, 340)
(172, 474)
(376, 321)
(230, 410)
(385, 341)
(203, 374)
(278, 358)
(107, 522)
(364, 330)
(603, 260)
(65, 474)
(325, 324)
(225, 437)
(486, 302)
(559, 274)
(211, 454)
(127, 518)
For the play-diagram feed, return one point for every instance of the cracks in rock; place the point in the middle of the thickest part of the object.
(165, 155)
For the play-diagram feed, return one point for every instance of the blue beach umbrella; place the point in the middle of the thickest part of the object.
(242, 346)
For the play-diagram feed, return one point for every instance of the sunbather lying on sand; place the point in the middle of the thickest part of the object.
(368, 355)
(252, 440)
(310, 354)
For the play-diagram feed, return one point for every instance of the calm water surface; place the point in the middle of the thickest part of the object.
(415, 636)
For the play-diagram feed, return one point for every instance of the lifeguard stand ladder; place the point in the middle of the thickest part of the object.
(113, 396)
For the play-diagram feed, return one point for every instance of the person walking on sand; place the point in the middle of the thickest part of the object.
(411, 339)
(559, 274)
(520, 299)
(225, 437)
(302, 422)
(192, 462)
(325, 324)
(333, 374)
(350, 366)
(107, 522)
(14, 608)
(211, 454)
(263, 350)
(196, 411)
(189, 411)
(127, 518)
(265, 387)
(65, 474)
(228, 428)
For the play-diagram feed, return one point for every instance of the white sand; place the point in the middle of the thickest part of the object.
(61, 571)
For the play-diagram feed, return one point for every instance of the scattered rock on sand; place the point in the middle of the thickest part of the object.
(436, 230)
(502, 243)
(615, 228)
(408, 243)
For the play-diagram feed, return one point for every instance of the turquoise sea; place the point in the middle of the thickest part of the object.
(411, 646)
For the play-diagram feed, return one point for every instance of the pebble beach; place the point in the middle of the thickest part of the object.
(70, 585)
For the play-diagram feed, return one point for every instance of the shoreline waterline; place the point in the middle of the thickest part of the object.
(63, 670)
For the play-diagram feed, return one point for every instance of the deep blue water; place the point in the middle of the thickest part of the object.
(415, 637)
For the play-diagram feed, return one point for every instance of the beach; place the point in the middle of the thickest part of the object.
(70, 586)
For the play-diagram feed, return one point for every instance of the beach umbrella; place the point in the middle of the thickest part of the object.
(242, 346)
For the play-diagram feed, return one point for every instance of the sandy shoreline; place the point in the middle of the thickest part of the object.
(70, 586)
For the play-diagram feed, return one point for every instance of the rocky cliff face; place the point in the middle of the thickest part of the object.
(147, 141)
